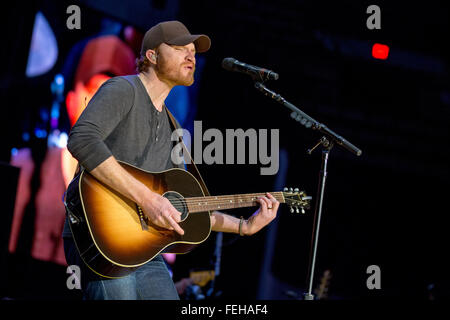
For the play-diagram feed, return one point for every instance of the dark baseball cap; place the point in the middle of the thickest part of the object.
(173, 33)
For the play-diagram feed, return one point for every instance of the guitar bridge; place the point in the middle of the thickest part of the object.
(142, 219)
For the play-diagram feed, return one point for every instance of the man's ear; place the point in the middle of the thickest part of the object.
(151, 55)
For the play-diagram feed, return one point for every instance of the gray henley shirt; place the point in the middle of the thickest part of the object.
(121, 120)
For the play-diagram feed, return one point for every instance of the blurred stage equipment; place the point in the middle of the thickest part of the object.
(380, 51)
(201, 281)
(57, 88)
(43, 52)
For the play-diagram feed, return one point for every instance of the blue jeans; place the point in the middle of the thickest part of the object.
(150, 281)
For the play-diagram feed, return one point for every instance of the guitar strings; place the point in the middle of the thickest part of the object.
(246, 200)
(228, 197)
(223, 200)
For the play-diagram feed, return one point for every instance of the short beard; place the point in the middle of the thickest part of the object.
(172, 74)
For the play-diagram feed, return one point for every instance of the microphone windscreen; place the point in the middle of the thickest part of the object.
(228, 63)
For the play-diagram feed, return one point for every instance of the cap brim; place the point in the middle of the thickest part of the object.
(202, 42)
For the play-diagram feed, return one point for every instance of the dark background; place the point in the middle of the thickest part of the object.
(386, 207)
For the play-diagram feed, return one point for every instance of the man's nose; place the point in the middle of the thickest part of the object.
(191, 57)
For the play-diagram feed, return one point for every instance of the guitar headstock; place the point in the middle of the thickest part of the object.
(297, 200)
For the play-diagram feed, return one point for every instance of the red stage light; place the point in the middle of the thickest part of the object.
(380, 51)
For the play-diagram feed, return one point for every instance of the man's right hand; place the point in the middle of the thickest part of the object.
(157, 208)
(161, 212)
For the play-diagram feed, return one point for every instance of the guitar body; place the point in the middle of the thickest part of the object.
(107, 227)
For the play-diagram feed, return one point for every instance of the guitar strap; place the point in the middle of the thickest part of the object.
(190, 165)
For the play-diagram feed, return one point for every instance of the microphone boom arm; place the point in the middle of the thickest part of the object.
(307, 121)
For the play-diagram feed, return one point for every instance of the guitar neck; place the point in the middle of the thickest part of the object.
(211, 203)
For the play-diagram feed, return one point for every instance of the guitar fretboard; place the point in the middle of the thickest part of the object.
(199, 204)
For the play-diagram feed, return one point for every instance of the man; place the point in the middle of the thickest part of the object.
(127, 120)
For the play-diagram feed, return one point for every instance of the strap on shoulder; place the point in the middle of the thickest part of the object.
(191, 167)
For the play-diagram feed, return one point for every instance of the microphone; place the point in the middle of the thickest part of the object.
(257, 73)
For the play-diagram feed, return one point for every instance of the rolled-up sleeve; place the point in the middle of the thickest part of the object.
(111, 103)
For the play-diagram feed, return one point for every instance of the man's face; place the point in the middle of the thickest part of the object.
(176, 64)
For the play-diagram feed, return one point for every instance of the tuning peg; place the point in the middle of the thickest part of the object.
(285, 189)
(296, 190)
(303, 210)
(291, 209)
(291, 190)
(297, 210)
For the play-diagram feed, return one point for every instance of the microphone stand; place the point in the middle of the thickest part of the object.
(327, 141)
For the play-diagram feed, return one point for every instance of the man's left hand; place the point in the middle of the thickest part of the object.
(263, 216)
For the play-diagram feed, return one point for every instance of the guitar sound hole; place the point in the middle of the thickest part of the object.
(178, 202)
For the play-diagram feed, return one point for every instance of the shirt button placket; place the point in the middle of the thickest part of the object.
(157, 127)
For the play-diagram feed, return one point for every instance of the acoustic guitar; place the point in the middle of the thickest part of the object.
(113, 235)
